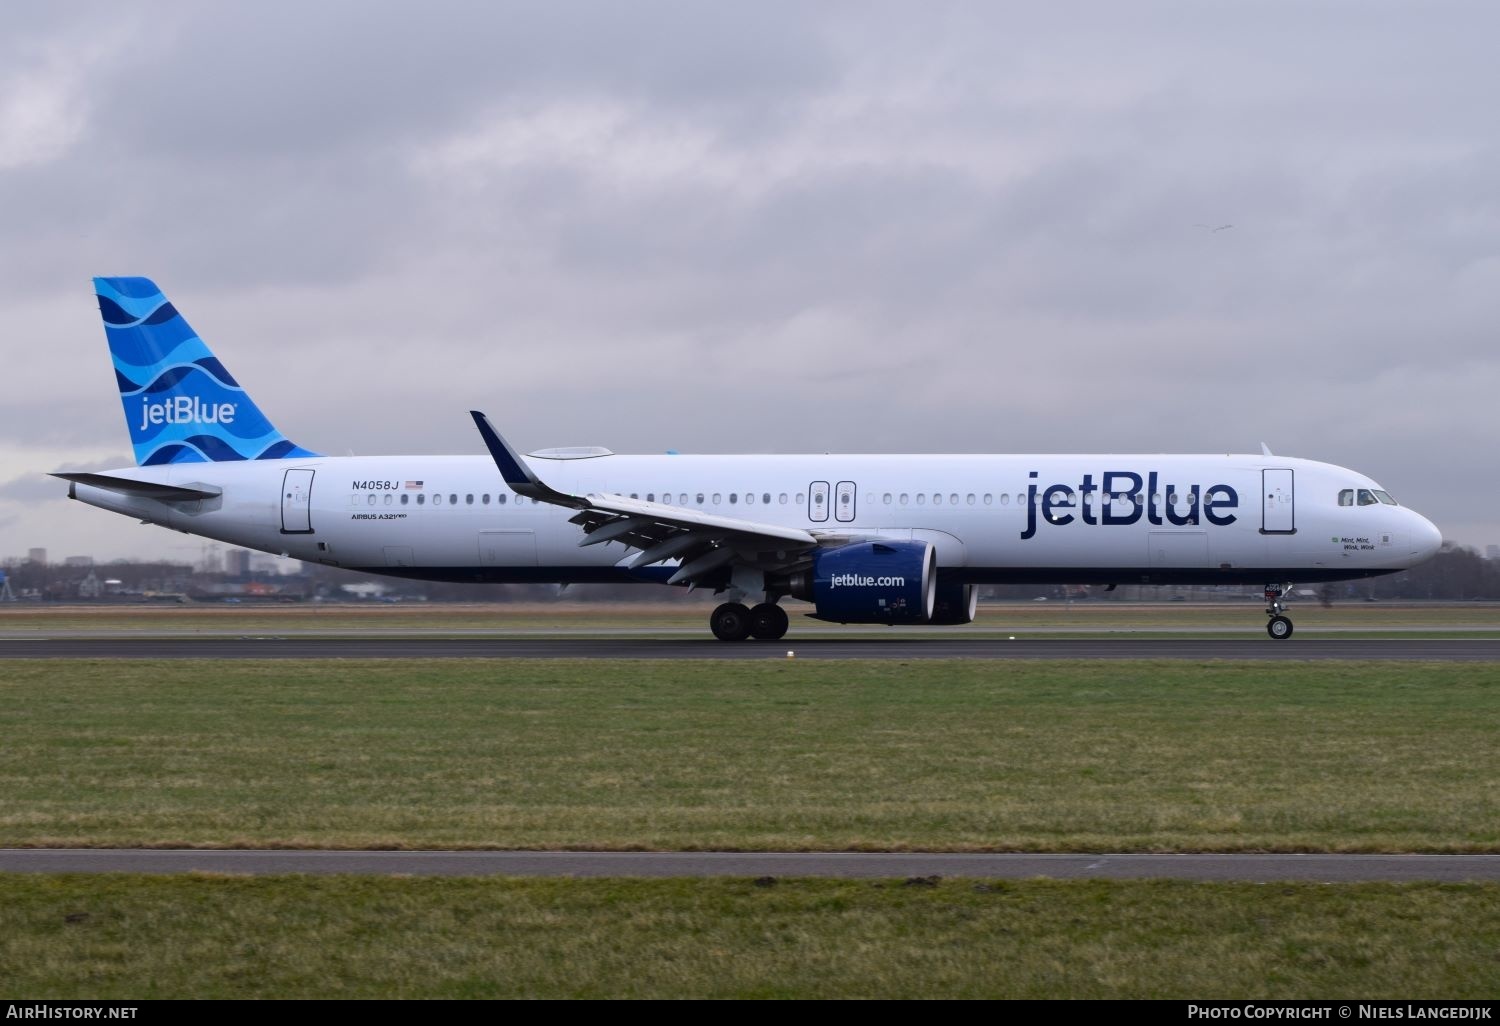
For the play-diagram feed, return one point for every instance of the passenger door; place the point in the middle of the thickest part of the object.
(1278, 502)
(296, 502)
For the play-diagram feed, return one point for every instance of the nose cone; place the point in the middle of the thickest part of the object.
(1426, 539)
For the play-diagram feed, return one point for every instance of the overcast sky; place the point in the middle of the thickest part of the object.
(744, 227)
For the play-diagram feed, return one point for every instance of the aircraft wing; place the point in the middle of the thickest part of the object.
(704, 542)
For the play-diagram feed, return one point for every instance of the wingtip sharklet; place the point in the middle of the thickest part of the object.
(514, 472)
(511, 468)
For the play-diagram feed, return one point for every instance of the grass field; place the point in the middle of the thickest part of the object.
(775, 755)
(216, 937)
(765, 755)
(1233, 619)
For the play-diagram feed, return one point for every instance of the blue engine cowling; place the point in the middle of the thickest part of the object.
(874, 582)
(956, 604)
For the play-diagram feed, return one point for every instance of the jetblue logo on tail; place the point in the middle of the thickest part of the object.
(185, 409)
(181, 404)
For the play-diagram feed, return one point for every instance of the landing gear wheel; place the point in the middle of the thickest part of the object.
(1279, 628)
(768, 621)
(730, 622)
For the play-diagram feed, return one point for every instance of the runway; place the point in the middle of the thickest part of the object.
(1337, 868)
(895, 646)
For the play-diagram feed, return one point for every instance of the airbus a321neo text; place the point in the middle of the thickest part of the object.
(899, 539)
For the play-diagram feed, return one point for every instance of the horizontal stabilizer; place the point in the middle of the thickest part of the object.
(142, 489)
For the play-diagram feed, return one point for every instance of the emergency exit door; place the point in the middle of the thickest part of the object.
(843, 508)
(817, 501)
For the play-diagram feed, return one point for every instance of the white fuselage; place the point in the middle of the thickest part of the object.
(991, 519)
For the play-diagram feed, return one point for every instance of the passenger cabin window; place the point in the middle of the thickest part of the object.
(421, 498)
(485, 498)
(500, 499)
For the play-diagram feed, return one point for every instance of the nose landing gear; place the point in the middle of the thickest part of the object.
(1280, 625)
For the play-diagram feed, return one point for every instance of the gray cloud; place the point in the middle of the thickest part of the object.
(39, 487)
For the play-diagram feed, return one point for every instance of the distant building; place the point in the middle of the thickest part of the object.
(37, 556)
(237, 562)
(265, 563)
(78, 561)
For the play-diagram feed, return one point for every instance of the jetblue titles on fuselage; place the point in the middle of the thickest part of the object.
(1123, 505)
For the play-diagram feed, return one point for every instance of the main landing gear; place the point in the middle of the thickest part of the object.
(1280, 625)
(734, 622)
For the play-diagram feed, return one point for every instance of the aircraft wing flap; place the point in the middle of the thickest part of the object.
(693, 519)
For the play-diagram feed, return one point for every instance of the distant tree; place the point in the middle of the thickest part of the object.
(1456, 574)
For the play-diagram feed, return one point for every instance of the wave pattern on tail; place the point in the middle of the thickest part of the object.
(181, 404)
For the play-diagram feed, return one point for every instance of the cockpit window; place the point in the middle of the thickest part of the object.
(1385, 497)
(1367, 497)
(1346, 497)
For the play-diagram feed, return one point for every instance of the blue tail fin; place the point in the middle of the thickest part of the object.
(181, 405)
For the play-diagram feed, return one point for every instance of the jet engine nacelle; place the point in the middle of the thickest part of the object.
(872, 582)
(956, 604)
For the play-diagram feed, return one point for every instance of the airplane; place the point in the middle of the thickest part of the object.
(873, 539)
